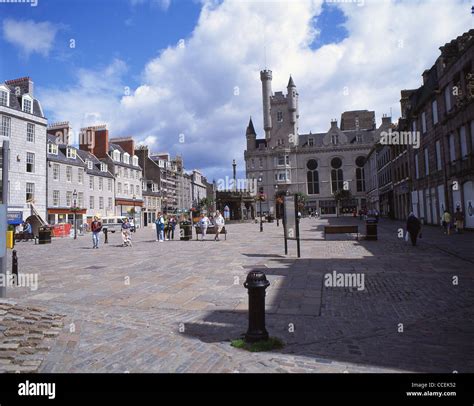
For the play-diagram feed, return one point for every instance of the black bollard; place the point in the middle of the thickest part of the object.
(15, 265)
(106, 232)
(256, 283)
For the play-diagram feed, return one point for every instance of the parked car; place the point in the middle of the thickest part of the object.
(112, 224)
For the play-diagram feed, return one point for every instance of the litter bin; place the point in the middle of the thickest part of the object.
(44, 235)
(186, 231)
(371, 229)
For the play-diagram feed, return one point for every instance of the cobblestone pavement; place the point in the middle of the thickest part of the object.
(175, 306)
(27, 335)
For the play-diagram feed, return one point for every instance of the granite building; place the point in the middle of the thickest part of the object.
(316, 164)
(442, 110)
(22, 121)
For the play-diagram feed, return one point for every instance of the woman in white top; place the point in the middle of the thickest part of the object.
(203, 224)
(219, 222)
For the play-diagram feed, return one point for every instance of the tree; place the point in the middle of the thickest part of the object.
(302, 198)
(206, 202)
(341, 195)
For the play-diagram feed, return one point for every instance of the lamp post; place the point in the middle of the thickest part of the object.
(74, 199)
(260, 197)
(134, 224)
(277, 206)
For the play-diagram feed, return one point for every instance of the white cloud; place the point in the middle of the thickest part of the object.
(190, 89)
(29, 36)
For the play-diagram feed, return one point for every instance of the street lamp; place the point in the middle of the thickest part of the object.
(74, 199)
(134, 224)
(277, 206)
(260, 198)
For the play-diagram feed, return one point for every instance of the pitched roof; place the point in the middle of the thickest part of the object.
(251, 128)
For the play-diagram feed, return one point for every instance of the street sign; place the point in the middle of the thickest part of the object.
(290, 217)
(3, 230)
(15, 217)
(291, 227)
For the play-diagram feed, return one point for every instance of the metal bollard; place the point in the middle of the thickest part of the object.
(15, 266)
(256, 283)
(106, 232)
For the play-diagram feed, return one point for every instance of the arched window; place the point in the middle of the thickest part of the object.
(360, 175)
(337, 176)
(312, 177)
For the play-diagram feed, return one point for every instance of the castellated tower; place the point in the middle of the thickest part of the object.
(266, 78)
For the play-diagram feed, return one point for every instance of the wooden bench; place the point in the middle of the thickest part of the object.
(24, 237)
(210, 231)
(341, 230)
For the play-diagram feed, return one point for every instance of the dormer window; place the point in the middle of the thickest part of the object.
(126, 158)
(4, 96)
(52, 149)
(27, 104)
(71, 153)
(334, 139)
(116, 155)
(310, 142)
(358, 138)
(103, 167)
(135, 160)
(280, 116)
(90, 164)
(280, 142)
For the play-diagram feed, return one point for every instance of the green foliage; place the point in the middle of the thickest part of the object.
(272, 343)
(342, 194)
(206, 202)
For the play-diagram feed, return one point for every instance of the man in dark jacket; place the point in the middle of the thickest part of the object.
(413, 227)
(96, 227)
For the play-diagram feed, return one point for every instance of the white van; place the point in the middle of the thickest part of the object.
(112, 224)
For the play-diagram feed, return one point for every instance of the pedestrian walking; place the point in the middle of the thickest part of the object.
(219, 224)
(126, 233)
(446, 221)
(171, 226)
(459, 219)
(96, 227)
(203, 225)
(413, 227)
(160, 227)
(27, 231)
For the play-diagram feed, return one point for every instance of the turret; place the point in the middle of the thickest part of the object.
(266, 78)
(251, 136)
(292, 100)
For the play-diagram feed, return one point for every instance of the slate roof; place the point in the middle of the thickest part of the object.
(85, 155)
(61, 157)
(15, 102)
(113, 147)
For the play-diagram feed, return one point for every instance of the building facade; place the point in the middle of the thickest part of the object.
(23, 123)
(316, 164)
(119, 156)
(442, 110)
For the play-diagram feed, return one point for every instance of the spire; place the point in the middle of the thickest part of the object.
(250, 128)
(291, 83)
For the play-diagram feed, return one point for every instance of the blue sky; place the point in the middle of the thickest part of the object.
(103, 30)
(128, 69)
